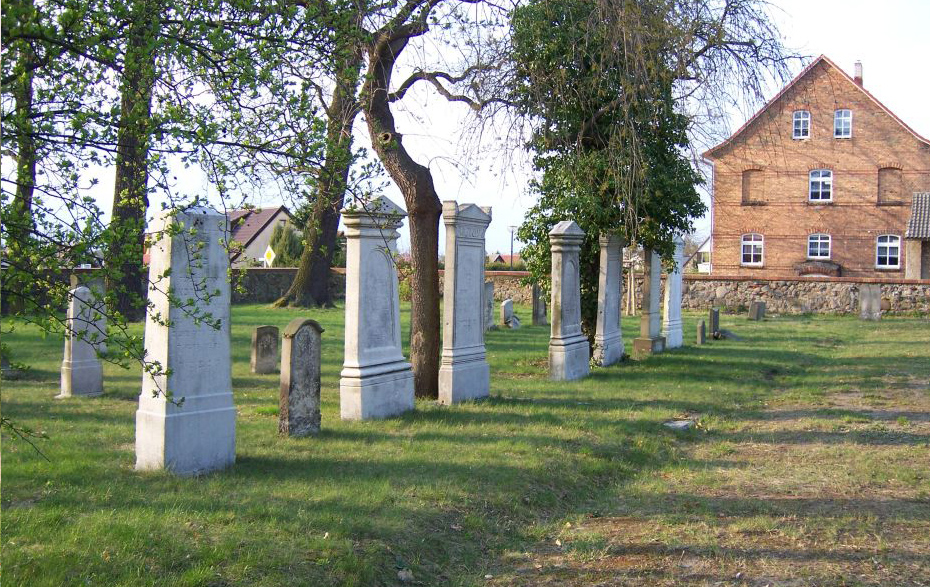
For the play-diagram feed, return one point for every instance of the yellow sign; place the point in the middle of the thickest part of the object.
(269, 256)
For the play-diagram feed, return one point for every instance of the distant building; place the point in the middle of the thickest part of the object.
(251, 230)
(506, 259)
(824, 180)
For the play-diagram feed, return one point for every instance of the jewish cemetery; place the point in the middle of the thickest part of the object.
(626, 293)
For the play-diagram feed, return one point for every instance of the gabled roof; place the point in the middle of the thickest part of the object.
(245, 225)
(822, 59)
(919, 224)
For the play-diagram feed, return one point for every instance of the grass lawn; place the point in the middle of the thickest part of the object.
(810, 466)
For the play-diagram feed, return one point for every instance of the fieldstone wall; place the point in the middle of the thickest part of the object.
(265, 285)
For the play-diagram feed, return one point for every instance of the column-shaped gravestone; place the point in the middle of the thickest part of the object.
(376, 381)
(81, 370)
(264, 349)
(539, 307)
(714, 318)
(299, 407)
(488, 305)
(568, 348)
(199, 434)
(464, 372)
(96, 301)
(608, 340)
(650, 340)
(701, 333)
(671, 314)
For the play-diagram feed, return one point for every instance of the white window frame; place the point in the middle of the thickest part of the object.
(801, 124)
(824, 178)
(818, 240)
(752, 240)
(842, 123)
(890, 242)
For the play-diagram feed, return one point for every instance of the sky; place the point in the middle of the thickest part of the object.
(889, 38)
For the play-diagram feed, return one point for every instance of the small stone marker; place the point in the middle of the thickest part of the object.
(679, 424)
(488, 301)
(756, 310)
(507, 317)
(264, 349)
(714, 326)
(671, 316)
(608, 340)
(299, 408)
(701, 333)
(569, 352)
(539, 307)
(376, 381)
(870, 301)
(650, 339)
(81, 370)
(199, 434)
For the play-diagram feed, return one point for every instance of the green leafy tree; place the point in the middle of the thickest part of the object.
(287, 245)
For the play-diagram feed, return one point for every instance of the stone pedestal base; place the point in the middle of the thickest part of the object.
(197, 437)
(608, 350)
(569, 358)
(464, 380)
(370, 396)
(674, 337)
(648, 346)
(81, 379)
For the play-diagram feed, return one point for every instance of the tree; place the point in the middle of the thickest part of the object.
(287, 245)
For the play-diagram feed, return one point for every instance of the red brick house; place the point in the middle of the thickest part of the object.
(823, 180)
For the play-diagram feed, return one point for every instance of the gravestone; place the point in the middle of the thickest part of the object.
(264, 349)
(608, 340)
(569, 356)
(671, 315)
(198, 434)
(701, 333)
(488, 301)
(508, 319)
(299, 407)
(650, 339)
(756, 310)
(539, 307)
(463, 372)
(870, 301)
(714, 319)
(81, 370)
(97, 332)
(376, 381)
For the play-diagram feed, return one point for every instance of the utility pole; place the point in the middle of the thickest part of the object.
(513, 231)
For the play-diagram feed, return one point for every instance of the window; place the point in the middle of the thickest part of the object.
(752, 249)
(842, 124)
(890, 185)
(802, 124)
(818, 246)
(821, 185)
(888, 252)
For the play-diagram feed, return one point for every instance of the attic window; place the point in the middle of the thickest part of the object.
(842, 124)
(802, 124)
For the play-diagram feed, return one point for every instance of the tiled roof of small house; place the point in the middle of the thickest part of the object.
(919, 224)
(244, 225)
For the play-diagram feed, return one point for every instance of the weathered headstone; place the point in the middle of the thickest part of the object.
(671, 315)
(569, 356)
(488, 301)
(463, 372)
(299, 407)
(650, 339)
(507, 316)
(539, 307)
(608, 340)
(264, 349)
(376, 381)
(97, 332)
(714, 321)
(198, 434)
(701, 333)
(81, 370)
(756, 310)
(870, 301)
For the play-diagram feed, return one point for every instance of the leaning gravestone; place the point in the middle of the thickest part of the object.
(81, 370)
(671, 317)
(488, 301)
(376, 381)
(264, 349)
(650, 339)
(508, 318)
(870, 301)
(539, 307)
(463, 372)
(701, 333)
(569, 356)
(608, 340)
(299, 407)
(199, 434)
(756, 310)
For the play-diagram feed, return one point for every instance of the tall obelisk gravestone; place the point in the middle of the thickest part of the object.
(464, 372)
(650, 340)
(376, 381)
(608, 340)
(198, 434)
(671, 315)
(569, 354)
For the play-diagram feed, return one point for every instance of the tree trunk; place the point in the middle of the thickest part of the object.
(125, 273)
(20, 225)
(311, 284)
(423, 209)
